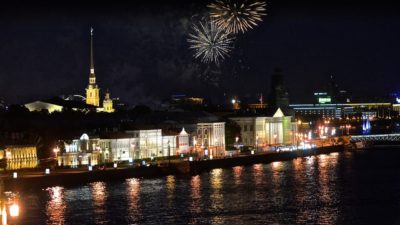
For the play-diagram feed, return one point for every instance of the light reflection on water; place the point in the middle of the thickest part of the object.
(133, 196)
(99, 195)
(312, 190)
(237, 172)
(55, 208)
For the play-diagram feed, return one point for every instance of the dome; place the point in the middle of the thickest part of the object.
(84, 137)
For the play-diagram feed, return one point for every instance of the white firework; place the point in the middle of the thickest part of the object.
(236, 16)
(210, 43)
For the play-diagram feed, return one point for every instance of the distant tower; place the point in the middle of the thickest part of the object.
(108, 103)
(92, 91)
(278, 96)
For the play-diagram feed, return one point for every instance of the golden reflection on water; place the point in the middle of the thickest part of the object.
(217, 196)
(133, 194)
(327, 190)
(55, 207)
(237, 173)
(276, 172)
(258, 173)
(99, 195)
(170, 188)
(195, 184)
(297, 164)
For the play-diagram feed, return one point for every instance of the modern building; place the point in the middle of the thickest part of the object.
(271, 129)
(343, 110)
(279, 96)
(19, 157)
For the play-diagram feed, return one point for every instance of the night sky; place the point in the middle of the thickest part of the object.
(142, 55)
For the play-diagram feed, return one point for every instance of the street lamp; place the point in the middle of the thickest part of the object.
(256, 143)
(56, 150)
(14, 210)
(169, 154)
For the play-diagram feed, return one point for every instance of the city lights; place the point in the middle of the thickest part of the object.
(14, 210)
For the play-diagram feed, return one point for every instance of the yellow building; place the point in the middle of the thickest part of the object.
(92, 91)
(19, 157)
(108, 103)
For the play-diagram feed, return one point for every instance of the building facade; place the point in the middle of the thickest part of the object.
(263, 131)
(210, 139)
(108, 103)
(19, 157)
(343, 110)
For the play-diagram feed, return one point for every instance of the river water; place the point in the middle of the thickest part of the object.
(339, 188)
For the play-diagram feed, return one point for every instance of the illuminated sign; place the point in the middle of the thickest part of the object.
(324, 100)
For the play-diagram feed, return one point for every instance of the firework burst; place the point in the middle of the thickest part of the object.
(236, 16)
(210, 43)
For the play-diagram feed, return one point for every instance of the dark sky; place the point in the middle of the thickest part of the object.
(142, 56)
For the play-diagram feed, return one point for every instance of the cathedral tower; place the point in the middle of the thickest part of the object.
(108, 103)
(92, 90)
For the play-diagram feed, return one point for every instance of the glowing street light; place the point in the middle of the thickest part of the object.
(14, 210)
(56, 150)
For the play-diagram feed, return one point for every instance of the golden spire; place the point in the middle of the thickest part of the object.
(91, 53)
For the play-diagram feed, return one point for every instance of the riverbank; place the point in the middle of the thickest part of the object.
(67, 177)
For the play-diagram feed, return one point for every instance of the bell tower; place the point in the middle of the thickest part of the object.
(92, 90)
(108, 103)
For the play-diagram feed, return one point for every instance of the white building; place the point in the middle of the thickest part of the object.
(262, 131)
(139, 144)
(210, 139)
(183, 142)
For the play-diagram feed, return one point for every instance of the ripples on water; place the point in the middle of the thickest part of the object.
(345, 188)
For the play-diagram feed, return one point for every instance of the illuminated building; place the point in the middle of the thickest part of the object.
(19, 157)
(82, 151)
(42, 105)
(343, 110)
(108, 103)
(274, 128)
(183, 141)
(57, 105)
(210, 139)
(92, 91)
(136, 144)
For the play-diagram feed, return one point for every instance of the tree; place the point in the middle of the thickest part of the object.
(232, 130)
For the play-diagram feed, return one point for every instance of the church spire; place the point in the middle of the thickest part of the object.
(92, 91)
(91, 53)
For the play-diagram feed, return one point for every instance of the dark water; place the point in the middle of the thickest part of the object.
(339, 188)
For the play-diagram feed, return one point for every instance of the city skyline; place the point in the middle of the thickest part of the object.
(137, 53)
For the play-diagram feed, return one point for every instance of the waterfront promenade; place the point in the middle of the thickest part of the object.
(77, 176)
